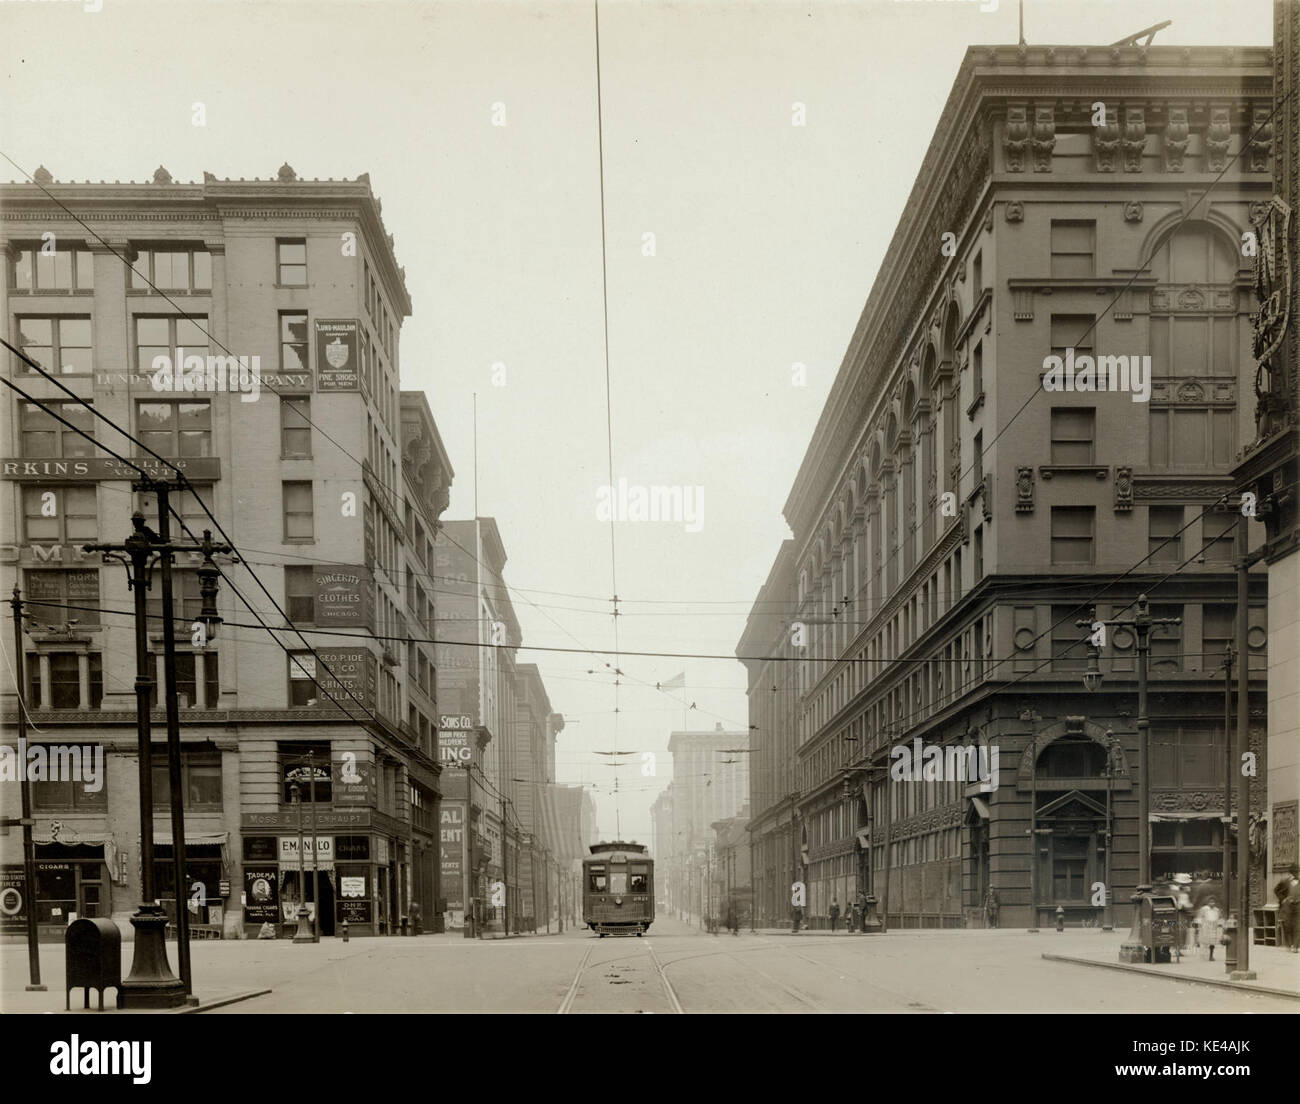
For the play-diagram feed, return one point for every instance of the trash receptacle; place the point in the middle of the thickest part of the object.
(93, 949)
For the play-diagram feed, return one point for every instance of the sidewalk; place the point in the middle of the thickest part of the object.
(1277, 970)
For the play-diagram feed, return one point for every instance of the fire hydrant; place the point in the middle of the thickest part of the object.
(345, 931)
(1060, 918)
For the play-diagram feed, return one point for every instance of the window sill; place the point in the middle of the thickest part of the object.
(291, 287)
(975, 405)
(299, 540)
(1100, 471)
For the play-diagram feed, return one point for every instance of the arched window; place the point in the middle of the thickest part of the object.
(1196, 333)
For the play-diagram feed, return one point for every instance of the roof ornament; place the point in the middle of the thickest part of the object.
(162, 176)
(1149, 32)
(286, 173)
(42, 175)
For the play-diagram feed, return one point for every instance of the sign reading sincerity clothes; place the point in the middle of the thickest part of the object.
(343, 594)
(336, 355)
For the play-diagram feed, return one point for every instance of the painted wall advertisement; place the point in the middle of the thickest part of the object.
(343, 594)
(452, 836)
(353, 668)
(354, 779)
(455, 739)
(261, 895)
(337, 366)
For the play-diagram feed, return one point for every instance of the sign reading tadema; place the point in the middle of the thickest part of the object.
(452, 833)
(261, 895)
(205, 469)
(336, 355)
(343, 594)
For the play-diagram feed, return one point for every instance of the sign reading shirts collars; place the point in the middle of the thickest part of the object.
(336, 355)
(343, 594)
(353, 668)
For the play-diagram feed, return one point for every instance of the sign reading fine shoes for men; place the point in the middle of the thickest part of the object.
(336, 355)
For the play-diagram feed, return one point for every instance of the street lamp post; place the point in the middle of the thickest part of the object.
(25, 798)
(1112, 768)
(303, 934)
(1140, 625)
(150, 983)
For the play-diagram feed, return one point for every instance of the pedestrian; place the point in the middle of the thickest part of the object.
(796, 916)
(1282, 891)
(1181, 889)
(991, 908)
(1290, 910)
(1209, 924)
(835, 913)
(855, 917)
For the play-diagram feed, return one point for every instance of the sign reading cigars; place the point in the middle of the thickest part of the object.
(336, 355)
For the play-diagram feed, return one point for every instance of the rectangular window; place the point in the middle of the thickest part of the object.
(58, 343)
(51, 593)
(168, 336)
(302, 679)
(187, 503)
(62, 270)
(1072, 534)
(596, 879)
(1218, 630)
(172, 268)
(1074, 331)
(1186, 755)
(1073, 247)
(186, 602)
(179, 429)
(60, 514)
(977, 365)
(200, 778)
(66, 789)
(1164, 534)
(978, 458)
(978, 270)
(44, 436)
(1073, 434)
(300, 594)
(295, 426)
(291, 261)
(1069, 642)
(1218, 537)
(294, 355)
(298, 510)
(306, 763)
(187, 670)
(1069, 868)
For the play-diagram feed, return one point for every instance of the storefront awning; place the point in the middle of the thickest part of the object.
(192, 839)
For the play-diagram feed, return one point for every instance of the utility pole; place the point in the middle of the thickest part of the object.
(25, 790)
(1229, 655)
(1243, 971)
(1032, 719)
(505, 868)
(150, 983)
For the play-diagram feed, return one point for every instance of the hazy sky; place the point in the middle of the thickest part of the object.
(767, 237)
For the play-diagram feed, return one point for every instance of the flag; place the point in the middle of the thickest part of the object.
(677, 682)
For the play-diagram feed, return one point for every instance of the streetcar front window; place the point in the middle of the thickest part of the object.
(596, 880)
(638, 879)
(618, 881)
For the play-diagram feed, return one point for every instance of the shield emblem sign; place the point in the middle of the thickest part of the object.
(336, 353)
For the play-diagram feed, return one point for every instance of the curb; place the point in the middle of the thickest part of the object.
(1152, 971)
(221, 1002)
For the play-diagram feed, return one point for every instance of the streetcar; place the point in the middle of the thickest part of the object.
(618, 889)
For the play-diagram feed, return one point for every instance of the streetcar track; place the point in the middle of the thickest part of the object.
(566, 1006)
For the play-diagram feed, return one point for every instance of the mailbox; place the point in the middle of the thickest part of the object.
(1158, 925)
(93, 949)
